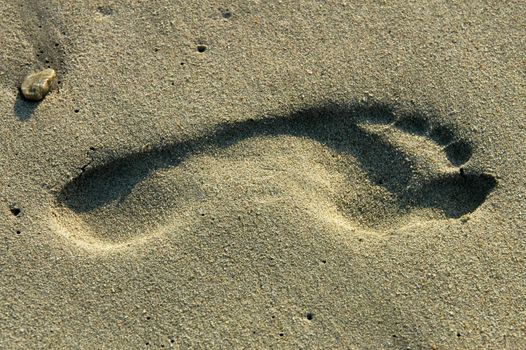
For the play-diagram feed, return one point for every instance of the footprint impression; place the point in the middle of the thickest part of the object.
(375, 168)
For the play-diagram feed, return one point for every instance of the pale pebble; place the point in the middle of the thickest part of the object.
(36, 85)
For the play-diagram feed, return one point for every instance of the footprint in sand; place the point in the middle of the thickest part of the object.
(373, 167)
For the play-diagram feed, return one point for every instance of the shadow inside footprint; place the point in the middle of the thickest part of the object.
(335, 126)
(455, 194)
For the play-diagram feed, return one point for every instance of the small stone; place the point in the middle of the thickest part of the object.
(36, 85)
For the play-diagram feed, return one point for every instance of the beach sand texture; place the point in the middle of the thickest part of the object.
(264, 174)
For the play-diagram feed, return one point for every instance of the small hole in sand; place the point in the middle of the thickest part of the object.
(15, 211)
(201, 48)
(77, 110)
(18, 232)
(105, 10)
(310, 316)
(227, 14)
(281, 334)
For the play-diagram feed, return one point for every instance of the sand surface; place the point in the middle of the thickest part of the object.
(264, 174)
